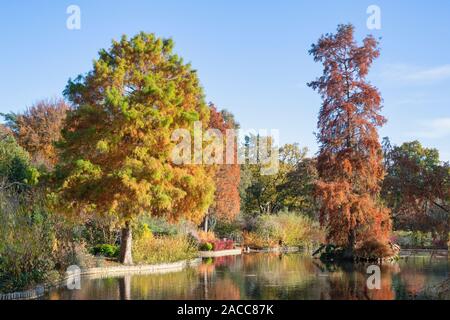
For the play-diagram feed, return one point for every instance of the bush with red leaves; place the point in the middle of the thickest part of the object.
(223, 245)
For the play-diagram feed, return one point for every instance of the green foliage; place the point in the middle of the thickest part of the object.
(290, 188)
(413, 239)
(26, 243)
(99, 230)
(229, 229)
(159, 226)
(106, 250)
(206, 246)
(417, 187)
(15, 167)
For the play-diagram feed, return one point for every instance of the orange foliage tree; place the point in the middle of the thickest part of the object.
(350, 158)
(38, 128)
(116, 151)
(226, 204)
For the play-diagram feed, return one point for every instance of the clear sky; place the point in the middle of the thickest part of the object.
(251, 56)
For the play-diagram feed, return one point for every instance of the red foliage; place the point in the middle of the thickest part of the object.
(227, 177)
(350, 158)
(223, 245)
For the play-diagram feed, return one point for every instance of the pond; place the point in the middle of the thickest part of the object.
(269, 276)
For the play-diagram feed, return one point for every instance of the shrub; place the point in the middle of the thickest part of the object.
(206, 246)
(159, 226)
(206, 236)
(223, 245)
(26, 245)
(229, 230)
(99, 230)
(165, 249)
(414, 239)
(106, 250)
(374, 249)
(257, 241)
(287, 229)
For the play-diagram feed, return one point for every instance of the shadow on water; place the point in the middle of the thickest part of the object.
(271, 276)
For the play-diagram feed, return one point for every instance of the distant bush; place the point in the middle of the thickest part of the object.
(223, 245)
(164, 249)
(105, 250)
(416, 239)
(206, 236)
(26, 245)
(373, 249)
(99, 230)
(206, 246)
(230, 230)
(284, 229)
(159, 226)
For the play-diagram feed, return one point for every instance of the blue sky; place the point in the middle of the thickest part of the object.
(251, 56)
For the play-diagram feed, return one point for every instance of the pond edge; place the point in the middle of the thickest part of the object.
(40, 290)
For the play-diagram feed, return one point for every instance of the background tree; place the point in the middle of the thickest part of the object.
(38, 128)
(417, 188)
(117, 145)
(16, 171)
(226, 204)
(297, 193)
(271, 193)
(350, 158)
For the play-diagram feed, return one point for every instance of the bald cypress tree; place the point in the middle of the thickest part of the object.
(350, 157)
(116, 146)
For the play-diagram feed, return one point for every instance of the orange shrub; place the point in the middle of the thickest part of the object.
(206, 236)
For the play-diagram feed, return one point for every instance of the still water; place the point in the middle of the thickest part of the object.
(270, 276)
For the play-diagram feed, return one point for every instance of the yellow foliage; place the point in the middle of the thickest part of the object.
(206, 236)
(153, 250)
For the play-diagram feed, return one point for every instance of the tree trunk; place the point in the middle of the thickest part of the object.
(205, 223)
(125, 288)
(125, 245)
(350, 250)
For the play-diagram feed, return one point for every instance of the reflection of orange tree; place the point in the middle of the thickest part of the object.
(217, 287)
(350, 283)
(223, 289)
(414, 282)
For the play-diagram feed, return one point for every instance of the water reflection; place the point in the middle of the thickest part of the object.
(269, 276)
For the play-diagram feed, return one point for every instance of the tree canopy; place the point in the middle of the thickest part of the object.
(417, 187)
(16, 170)
(38, 128)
